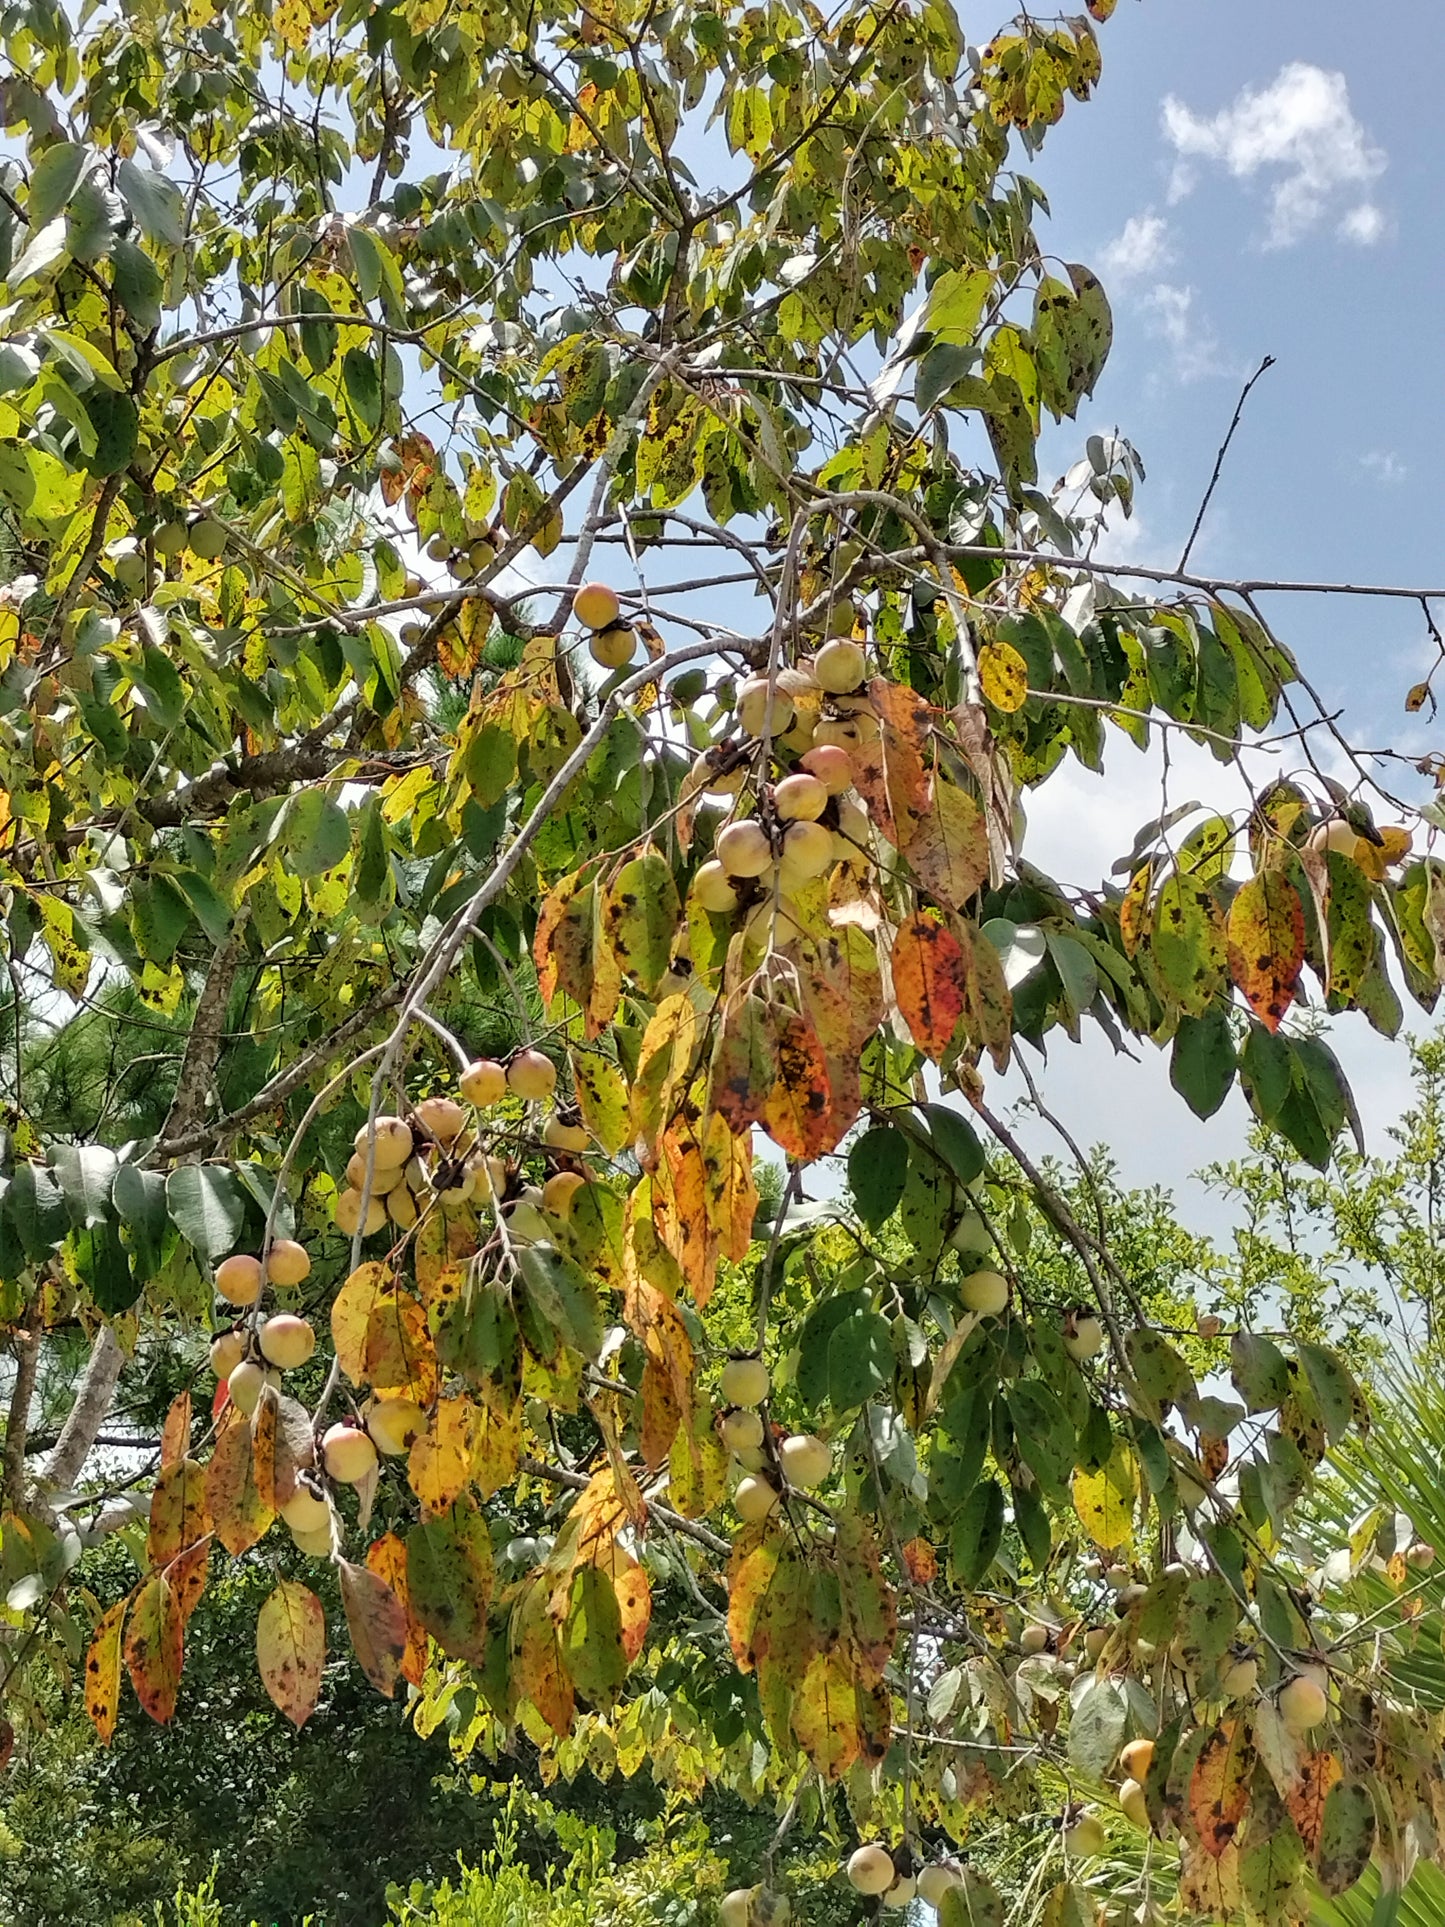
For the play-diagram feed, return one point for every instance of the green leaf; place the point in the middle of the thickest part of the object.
(975, 1902)
(592, 1637)
(139, 1198)
(85, 1173)
(1347, 1836)
(372, 874)
(207, 1203)
(160, 684)
(1267, 1070)
(211, 910)
(1188, 944)
(1161, 1372)
(137, 284)
(449, 1579)
(1260, 1373)
(35, 1206)
(817, 1336)
(160, 917)
(46, 246)
(362, 380)
(53, 180)
(978, 1532)
(860, 1358)
(1203, 1063)
(564, 1296)
(640, 914)
(1097, 1729)
(316, 833)
(154, 201)
(877, 1173)
(1335, 1390)
(955, 1141)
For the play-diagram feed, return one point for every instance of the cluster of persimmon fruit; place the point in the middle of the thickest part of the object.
(435, 1154)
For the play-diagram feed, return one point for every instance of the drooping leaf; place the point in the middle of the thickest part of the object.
(1267, 944)
(154, 1639)
(291, 1648)
(376, 1620)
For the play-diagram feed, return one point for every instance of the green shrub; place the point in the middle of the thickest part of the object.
(675, 1882)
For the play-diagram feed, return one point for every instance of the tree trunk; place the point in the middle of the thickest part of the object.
(188, 1106)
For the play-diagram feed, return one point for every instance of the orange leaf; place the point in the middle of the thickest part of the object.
(409, 466)
(291, 1648)
(730, 1197)
(921, 1561)
(667, 1371)
(679, 1208)
(929, 972)
(1267, 944)
(756, 1552)
(386, 1557)
(239, 1514)
(889, 769)
(154, 1647)
(540, 1673)
(179, 1516)
(271, 1455)
(176, 1432)
(797, 1114)
(1306, 1798)
(1219, 1785)
(376, 1620)
(187, 1573)
(102, 1671)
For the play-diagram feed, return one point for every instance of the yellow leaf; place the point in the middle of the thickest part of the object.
(1105, 1500)
(1004, 675)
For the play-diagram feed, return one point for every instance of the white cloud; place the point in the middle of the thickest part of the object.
(1365, 224)
(1385, 465)
(1301, 132)
(1172, 315)
(1142, 249)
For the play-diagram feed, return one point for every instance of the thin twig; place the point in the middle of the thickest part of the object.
(1263, 368)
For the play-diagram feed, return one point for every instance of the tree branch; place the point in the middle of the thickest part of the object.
(26, 1346)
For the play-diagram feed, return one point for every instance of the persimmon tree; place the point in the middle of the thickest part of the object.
(331, 334)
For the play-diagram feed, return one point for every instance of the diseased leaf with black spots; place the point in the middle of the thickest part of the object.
(179, 1516)
(102, 1671)
(154, 1647)
(929, 980)
(744, 1064)
(796, 1113)
(291, 1648)
(386, 1558)
(641, 913)
(376, 1620)
(1219, 1785)
(1189, 944)
(948, 847)
(1267, 944)
(449, 1578)
(1347, 1836)
(238, 1512)
(1308, 1793)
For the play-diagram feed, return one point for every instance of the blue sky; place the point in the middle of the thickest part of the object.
(1258, 179)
